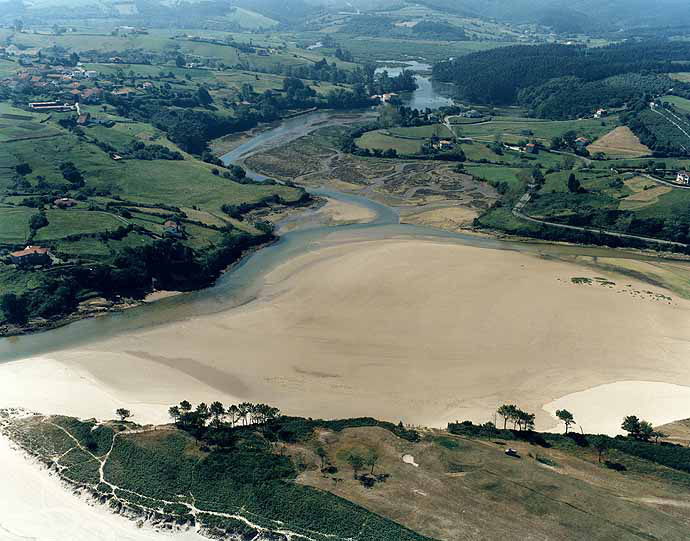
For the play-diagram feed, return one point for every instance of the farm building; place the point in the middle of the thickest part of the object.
(683, 177)
(172, 229)
(51, 106)
(64, 202)
(31, 255)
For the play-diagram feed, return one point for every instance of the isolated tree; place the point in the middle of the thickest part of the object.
(537, 176)
(566, 417)
(601, 444)
(658, 434)
(507, 411)
(323, 456)
(646, 430)
(22, 169)
(38, 221)
(204, 96)
(631, 424)
(573, 184)
(356, 461)
(217, 411)
(174, 412)
(372, 459)
(123, 414)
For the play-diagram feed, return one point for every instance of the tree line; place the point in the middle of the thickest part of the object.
(564, 81)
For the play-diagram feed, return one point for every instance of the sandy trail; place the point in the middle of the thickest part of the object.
(420, 331)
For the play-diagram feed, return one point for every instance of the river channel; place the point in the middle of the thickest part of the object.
(241, 284)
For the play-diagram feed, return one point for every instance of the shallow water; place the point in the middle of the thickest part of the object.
(429, 94)
(241, 284)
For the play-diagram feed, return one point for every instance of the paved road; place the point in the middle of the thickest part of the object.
(666, 182)
(517, 212)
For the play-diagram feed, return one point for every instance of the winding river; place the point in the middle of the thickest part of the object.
(241, 284)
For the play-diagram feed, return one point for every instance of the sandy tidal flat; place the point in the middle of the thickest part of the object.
(421, 331)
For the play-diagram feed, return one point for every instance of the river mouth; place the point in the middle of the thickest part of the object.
(326, 312)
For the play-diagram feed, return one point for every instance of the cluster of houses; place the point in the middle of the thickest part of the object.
(74, 83)
(601, 113)
(69, 85)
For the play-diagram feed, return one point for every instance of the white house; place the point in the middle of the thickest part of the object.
(683, 177)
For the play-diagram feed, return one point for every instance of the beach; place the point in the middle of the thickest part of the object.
(36, 505)
(412, 330)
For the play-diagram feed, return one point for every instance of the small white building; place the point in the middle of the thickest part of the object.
(683, 177)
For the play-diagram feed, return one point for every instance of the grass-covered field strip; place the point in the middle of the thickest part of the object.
(682, 104)
(14, 224)
(513, 130)
(76, 222)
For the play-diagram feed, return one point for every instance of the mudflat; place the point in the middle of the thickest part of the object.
(423, 331)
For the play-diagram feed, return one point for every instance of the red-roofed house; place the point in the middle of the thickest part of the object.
(31, 255)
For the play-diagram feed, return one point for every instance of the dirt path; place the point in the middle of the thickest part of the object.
(159, 503)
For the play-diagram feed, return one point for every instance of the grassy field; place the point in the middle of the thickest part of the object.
(555, 488)
(379, 140)
(680, 76)
(422, 132)
(682, 104)
(80, 235)
(75, 222)
(620, 143)
(512, 130)
(8, 68)
(368, 48)
(14, 224)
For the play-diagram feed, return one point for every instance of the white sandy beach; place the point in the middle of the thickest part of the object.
(35, 506)
(659, 403)
(420, 331)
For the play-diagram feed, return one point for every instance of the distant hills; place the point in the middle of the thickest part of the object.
(563, 16)
(573, 15)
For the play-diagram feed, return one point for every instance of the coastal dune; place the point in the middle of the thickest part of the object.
(423, 331)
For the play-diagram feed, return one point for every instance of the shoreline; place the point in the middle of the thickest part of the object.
(350, 344)
(66, 510)
(283, 217)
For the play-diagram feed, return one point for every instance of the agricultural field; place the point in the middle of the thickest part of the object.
(512, 130)
(17, 124)
(120, 204)
(619, 143)
(380, 140)
(382, 49)
(8, 68)
(682, 104)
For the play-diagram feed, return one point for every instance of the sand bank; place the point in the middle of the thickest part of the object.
(95, 387)
(412, 330)
(601, 409)
(35, 505)
(334, 212)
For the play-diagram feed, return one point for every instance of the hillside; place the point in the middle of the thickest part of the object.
(406, 486)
